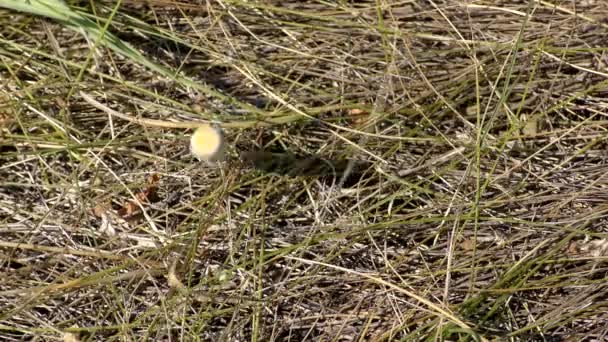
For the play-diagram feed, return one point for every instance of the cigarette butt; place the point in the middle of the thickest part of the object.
(207, 143)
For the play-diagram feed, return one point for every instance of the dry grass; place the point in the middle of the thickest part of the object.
(469, 202)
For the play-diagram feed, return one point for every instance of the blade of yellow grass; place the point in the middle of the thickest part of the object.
(183, 124)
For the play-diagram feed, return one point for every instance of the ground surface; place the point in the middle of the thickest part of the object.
(463, 195)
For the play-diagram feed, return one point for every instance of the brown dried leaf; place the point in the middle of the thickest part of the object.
(100, 209)
(132, 208)
(128, 209)
(573, 248)
(467, 244)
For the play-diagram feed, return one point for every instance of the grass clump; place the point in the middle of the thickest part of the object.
(394, 171)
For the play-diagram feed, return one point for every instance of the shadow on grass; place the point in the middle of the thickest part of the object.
(291, 165)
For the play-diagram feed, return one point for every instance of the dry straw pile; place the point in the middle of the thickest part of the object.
(394, 170)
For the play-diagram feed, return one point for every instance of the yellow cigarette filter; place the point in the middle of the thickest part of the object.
(207, 143)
